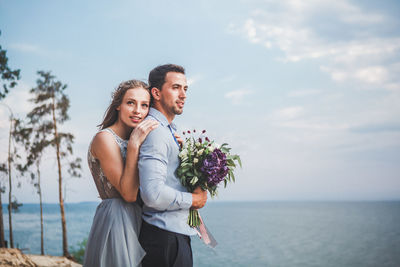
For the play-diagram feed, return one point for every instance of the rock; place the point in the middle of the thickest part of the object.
(52, 261)
(14, 257)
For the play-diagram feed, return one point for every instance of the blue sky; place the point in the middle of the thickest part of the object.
(307, 92)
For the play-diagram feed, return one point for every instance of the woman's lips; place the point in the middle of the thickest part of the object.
(135, 119)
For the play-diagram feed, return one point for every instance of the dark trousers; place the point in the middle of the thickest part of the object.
(164, 248)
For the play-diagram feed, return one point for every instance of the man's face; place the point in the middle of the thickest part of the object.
(173, 94)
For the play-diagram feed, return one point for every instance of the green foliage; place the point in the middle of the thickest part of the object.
(3, 174)
(194, 152)
(78, 252)
(48, 97)
(15, 205)
(50, 109)
(8, 76)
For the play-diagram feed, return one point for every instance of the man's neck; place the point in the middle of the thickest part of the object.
(170, 117)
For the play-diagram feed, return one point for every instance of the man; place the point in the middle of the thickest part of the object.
(165, 233)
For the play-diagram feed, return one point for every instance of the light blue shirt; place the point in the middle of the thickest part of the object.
(166, 201)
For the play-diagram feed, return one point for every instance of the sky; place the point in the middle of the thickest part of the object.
(306, 92)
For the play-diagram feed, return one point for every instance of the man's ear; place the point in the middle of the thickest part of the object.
(155, 92)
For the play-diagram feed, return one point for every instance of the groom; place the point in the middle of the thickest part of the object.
(165, 233)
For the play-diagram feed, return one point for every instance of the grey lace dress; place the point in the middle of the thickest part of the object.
(113, 238)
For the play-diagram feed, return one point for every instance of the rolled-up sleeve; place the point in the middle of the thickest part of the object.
(153, 169)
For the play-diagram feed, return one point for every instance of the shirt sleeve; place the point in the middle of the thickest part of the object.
(153, 170)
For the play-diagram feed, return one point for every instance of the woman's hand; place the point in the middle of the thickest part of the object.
(141, 131)
(179, 139)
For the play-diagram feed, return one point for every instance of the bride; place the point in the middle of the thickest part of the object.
(112, 156)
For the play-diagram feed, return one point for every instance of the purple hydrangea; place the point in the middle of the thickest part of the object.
(214, 167)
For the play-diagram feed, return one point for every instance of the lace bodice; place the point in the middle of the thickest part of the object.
(104, 187)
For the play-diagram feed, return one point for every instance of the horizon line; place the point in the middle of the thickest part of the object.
(248, 201)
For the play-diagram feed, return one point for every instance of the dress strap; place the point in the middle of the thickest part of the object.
(119, 140)
(123, 144)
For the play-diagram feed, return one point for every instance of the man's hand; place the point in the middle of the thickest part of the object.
(179, 139)
(199, 198)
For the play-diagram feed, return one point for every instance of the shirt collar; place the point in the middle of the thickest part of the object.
(161, 118)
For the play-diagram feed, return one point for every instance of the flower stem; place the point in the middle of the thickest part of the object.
(194, 218)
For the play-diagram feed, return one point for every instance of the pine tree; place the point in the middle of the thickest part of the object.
(8, 80)
(33, 138)
(3, 170)
(8, 76)
(50, 111)
(7, 168)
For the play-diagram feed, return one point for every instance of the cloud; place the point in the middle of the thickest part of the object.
(302, 93)
(377, 128)
(17, 101)
(373, 74)
(228, 79)
(288, 113)
(348, 41)
(194, 79)
(296, 117)
(45, 52)
(23, 47)
(237, 96)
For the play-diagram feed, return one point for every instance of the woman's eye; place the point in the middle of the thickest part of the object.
(130, 102)
(145, 105)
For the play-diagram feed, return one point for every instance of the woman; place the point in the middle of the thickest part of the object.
(112, 157)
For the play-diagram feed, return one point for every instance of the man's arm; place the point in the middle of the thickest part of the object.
(153, 166)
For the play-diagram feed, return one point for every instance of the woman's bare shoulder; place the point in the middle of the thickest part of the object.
(103, 142)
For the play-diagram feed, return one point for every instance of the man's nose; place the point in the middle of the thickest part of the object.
(182, 94)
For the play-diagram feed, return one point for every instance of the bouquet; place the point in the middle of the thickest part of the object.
(206, 164)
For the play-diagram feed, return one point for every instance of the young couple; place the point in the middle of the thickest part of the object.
(137, 148)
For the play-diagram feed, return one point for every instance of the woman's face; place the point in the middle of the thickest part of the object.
(134, 107)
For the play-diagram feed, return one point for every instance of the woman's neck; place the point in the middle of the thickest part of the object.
(121, 130)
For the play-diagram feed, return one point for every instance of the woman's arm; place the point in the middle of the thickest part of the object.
(123, 178)
(129, 182)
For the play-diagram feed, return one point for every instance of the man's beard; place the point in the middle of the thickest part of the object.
(177, 111)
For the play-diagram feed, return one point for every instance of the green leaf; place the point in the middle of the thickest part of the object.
(194, 180)
(230, 163)
(237, 158)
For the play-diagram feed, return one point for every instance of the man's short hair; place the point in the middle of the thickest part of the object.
(157, 76)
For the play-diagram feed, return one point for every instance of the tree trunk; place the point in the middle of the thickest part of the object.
(10, 187)
(2, 243)
(61, 200)
(41, 210)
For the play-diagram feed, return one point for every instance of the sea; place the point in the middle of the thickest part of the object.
(323, 234)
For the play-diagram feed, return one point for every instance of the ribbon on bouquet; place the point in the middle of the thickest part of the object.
(205, 234)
